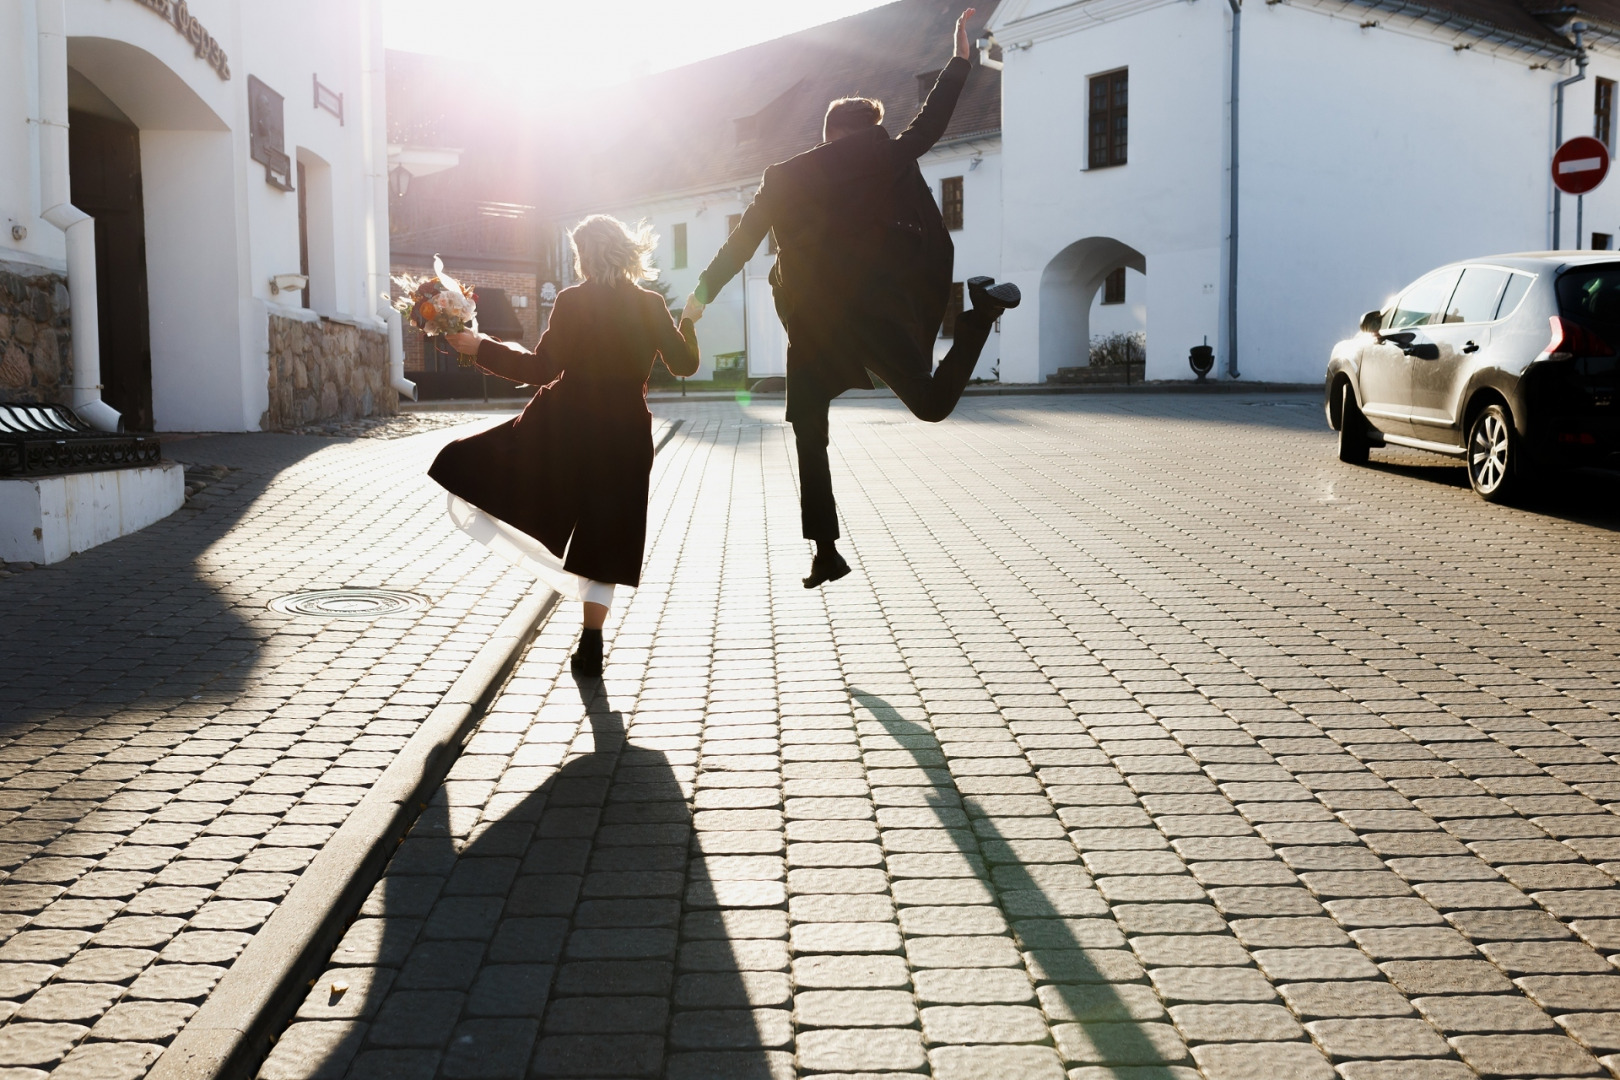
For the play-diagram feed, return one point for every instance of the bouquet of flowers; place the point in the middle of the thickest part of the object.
(437, 305)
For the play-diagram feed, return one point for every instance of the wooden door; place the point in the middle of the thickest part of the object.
(105, 161)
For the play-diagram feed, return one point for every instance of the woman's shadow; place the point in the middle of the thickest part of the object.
(571, 934)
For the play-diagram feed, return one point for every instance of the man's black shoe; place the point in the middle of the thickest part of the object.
(826, 567)
(985, 293)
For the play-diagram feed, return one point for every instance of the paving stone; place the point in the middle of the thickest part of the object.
(995, 1062)
(1257, 1061)
(1484, 1014)
(1377, 1038)
(1525, 1055)
(1119, 1044)
(1321, 1000)
(860, 1049)
(1236, 1023)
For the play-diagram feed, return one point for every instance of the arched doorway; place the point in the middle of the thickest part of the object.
(152, 162)
(1069, 285)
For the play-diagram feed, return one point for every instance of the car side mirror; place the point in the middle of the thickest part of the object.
(1371, 321)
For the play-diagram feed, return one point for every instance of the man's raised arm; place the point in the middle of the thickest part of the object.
(935, 115)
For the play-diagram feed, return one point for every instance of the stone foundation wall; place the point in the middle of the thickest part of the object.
(326, 370)
(36, 359)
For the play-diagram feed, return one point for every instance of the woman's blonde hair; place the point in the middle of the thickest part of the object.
(606, 249)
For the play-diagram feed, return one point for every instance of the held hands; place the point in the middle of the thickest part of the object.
(465, 342)
(962, 44)
(693, 308)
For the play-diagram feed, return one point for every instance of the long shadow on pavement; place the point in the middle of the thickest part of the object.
(550, 942)
(1101, 1010)
(133, 624)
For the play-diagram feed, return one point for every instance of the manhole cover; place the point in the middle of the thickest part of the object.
(347, 603)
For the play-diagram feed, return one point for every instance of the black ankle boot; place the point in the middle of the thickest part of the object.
(987, 296)
(587, 662)
(828, 565)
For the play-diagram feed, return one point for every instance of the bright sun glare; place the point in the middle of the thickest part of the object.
(541, 45)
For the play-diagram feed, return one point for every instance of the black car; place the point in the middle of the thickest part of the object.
(1507, 362)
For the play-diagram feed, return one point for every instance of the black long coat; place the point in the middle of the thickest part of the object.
(572, 470)
(860, 243)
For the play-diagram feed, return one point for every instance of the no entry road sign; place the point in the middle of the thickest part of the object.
(1580, 165)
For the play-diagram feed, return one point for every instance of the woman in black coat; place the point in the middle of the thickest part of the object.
(562, 490)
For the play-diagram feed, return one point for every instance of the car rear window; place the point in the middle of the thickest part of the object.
(1474, 300)
(1518, 285)
(1592, 295)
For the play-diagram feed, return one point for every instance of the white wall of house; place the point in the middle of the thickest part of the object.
(215, 230)
(1368, 156)
(978, 242)
(1066, 226)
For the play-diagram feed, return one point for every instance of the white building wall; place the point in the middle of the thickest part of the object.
(1370, 157)
(978, 242)
(1165, 204)
(215, 230)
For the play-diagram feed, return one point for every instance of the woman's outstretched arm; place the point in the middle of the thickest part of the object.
(508, 359)
(677, 345)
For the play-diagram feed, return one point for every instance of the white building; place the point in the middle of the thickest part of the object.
(685, 149)
(211, 177)
(1378, 139)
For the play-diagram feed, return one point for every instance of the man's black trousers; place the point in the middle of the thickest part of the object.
(930, 395)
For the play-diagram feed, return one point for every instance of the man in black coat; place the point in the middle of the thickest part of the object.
(862, 280)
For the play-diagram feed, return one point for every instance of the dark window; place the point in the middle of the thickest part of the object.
(925, 83)
(1592, 295)
(1603, 112)
(265, 134)
(1475, 298)
(680, 247)
(952, 310)
(950, 201)
(1109, 128)
(1518, 285)
(1114, 287)
(303, 231)
(1602, 241)
(732, 221)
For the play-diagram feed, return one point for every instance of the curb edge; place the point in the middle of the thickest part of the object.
(231, 1033)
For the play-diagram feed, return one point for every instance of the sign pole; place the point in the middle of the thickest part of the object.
(1578, 166)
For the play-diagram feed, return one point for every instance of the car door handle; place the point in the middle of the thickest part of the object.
(1470, 347)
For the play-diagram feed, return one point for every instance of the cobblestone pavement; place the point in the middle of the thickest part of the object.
(1146, 741)
(173, 753)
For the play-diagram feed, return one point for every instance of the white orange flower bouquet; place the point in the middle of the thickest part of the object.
(437, 305)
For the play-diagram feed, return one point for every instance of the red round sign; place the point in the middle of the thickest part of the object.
(1580, 165)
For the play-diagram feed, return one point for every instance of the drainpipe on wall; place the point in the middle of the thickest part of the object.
(374, 95)
(1558, 135)
(1232, 246)
(55, 194)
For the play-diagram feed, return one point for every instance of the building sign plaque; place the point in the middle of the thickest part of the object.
(177, 14)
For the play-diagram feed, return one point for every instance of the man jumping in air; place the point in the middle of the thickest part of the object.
(862, 280)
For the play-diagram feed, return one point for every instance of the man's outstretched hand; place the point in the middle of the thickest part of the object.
(962, 44)
(693, 308)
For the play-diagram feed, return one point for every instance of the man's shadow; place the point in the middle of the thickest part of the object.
(1112, 1008)
(574, 936)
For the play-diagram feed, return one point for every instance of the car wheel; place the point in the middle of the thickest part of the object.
(1353, 442)
(1493, 454)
